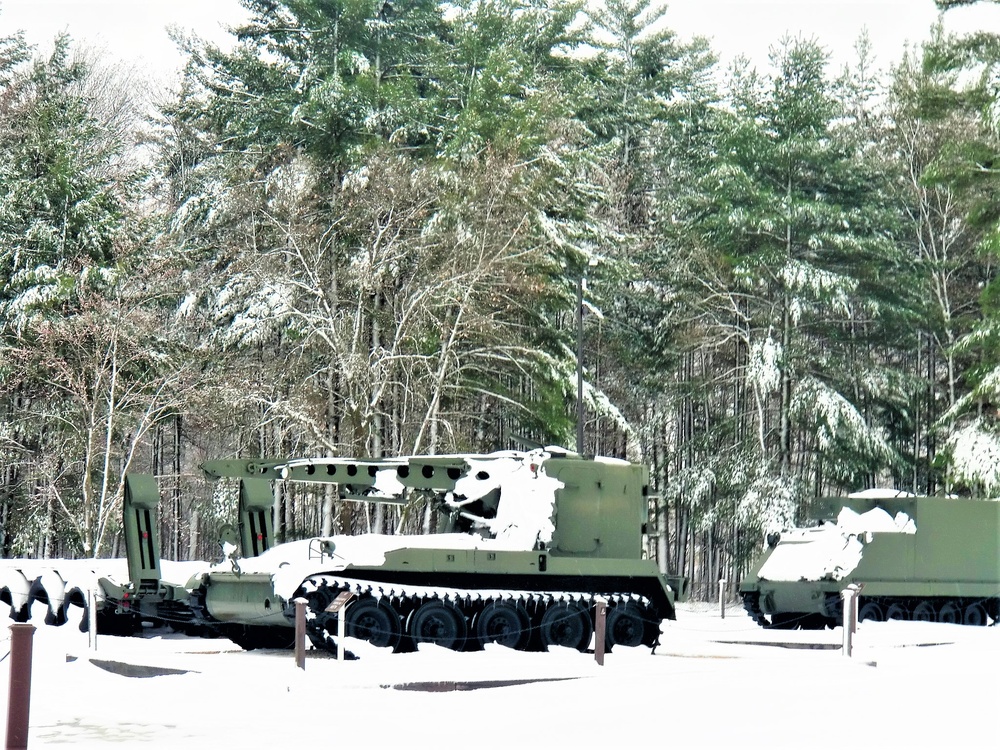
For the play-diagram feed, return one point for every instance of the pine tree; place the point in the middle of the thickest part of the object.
(965, 167)
(82, 377)
(799, 281)
(944, 247)
(394, 238)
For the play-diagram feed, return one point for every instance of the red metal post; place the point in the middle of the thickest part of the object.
(19, 698)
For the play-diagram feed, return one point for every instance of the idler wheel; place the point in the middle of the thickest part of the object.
(975, 614)
(503, 622)
(625, 626)
(566, 624)
(438, 622)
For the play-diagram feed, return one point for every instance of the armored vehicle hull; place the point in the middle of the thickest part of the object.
(919, 558)
(454, 596)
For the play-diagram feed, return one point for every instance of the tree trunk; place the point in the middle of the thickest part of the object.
(193, 536)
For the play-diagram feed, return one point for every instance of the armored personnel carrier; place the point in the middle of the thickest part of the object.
(527, 544)
(915, 558)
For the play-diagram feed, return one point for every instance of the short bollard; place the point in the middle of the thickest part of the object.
(850, 595)
(722, 598)
(341, 632)
(92, 619)
(339, 607)
(600, 625)
(19, 697)
(300, 632)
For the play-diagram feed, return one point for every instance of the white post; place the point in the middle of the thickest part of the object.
(341, 631)
(92, 619)
(722, 598)
(850, 595)
(661, 534)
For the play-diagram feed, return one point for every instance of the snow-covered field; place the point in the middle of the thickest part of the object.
(713, 683)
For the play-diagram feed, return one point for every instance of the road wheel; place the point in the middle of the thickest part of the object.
(924, 612)
(871, 611)
(950, 612)
(375, 621)
(566, 624)
(438, 622)
(624, 626)
(897, 611)
(975, 614)
(505, 623)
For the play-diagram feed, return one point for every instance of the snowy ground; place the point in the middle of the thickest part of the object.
(713, 683)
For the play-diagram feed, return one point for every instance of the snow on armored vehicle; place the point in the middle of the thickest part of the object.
(919, 558)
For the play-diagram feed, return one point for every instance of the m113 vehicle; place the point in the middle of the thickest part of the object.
(915, 558)
(529, 542)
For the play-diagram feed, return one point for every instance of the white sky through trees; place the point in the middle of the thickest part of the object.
(135, 30)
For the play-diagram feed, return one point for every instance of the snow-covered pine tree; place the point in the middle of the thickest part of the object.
(964, 87)
(792, 271)
(387, 199)
(83, 373)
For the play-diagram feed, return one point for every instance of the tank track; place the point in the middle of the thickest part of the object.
(400, 617)
(784, 620)
(751, 603)
(966, 611)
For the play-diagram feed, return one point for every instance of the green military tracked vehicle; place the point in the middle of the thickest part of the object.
(919, 558)
(528, 542)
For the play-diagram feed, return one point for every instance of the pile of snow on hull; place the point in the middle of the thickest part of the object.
(832, 551)
(523, 520)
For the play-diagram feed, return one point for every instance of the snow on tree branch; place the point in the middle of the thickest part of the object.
(975, 457)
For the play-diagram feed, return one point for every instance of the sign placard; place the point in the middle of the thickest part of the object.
(338, 604)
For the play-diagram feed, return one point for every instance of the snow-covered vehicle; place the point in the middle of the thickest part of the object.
(919, 558)
(529, 542)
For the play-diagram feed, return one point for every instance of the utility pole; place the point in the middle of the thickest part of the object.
(581, 279)
(579, 363)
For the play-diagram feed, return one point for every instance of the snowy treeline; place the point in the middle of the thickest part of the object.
(362, 231)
